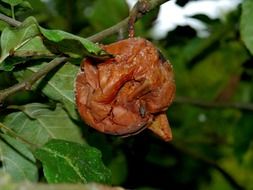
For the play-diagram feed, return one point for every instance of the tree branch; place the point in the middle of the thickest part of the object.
(109, 31)
(213, 104)
(9, 20)
(27, 84)
(140, 8)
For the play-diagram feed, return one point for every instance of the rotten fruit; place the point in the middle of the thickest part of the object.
(127, 93)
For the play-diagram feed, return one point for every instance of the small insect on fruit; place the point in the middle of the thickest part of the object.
(127, 93)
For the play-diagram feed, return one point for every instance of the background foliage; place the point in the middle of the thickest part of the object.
(211, 118)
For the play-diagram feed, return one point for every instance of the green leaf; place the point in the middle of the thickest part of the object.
(3, 25)
(14, 38)
(17, 160)
(65, 161)
(59, 87)
(38, 123)
(4, 10)
(246, 27)
(35, 48)
(243, 135)
(26, 41)
(25, 5)
(13, 2)
(59, 35)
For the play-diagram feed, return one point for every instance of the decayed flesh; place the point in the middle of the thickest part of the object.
(124, 94)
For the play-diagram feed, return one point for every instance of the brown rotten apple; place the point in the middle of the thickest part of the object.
(126, 93)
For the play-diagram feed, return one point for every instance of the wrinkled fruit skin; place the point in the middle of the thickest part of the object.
(125, 94)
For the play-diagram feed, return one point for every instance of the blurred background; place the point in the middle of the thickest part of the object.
(211, 118)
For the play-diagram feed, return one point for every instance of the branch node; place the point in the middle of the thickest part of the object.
(27, 86)
(140, 8)
(143, 7)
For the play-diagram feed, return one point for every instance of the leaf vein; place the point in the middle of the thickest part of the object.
(68, 161)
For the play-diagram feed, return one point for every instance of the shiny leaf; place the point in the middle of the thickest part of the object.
(65, 161)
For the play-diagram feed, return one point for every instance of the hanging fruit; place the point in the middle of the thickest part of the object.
(127, 93)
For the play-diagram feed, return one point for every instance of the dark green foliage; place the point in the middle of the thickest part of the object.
(65, 161)
(17, 160)
(212, 145)
(246, 28)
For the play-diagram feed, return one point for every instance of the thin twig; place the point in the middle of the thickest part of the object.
(213, 104)
(9, 20)
(12, 12)
(139, 9)
(142, 6)
(109, 31)
(27, 84)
